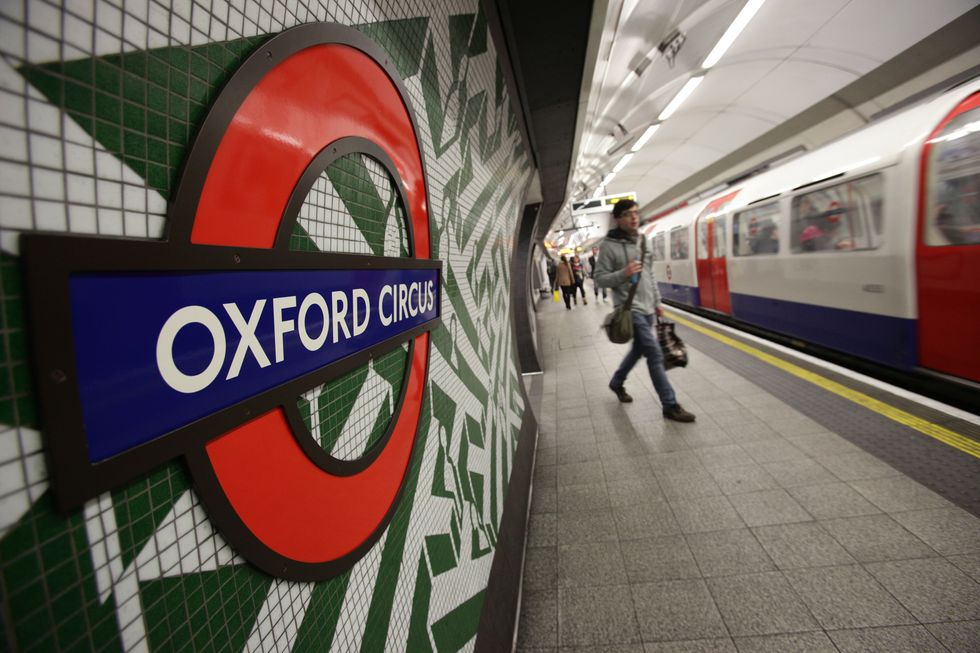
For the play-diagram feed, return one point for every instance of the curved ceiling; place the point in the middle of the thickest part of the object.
(792, 55)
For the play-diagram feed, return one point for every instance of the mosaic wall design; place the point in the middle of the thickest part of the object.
(99, 100)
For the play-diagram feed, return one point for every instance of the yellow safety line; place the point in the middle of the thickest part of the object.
(953, 439)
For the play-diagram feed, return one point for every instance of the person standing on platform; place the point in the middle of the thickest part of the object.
(618, 267)
(566, 280)
(595, 286)
(579, 271)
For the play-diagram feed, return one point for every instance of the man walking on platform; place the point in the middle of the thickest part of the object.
(619, 267)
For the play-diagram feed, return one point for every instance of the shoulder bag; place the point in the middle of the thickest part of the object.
(619, 323)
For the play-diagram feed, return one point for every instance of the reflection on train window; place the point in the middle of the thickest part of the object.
(756, 231)
(678, 243)
(845, 217)
(954, 183)
(702, 251)
(718, 249)
(658, 247)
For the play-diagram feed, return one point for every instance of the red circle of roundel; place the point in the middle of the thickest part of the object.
(307, 88)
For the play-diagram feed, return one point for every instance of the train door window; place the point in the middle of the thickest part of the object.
(720, 240)
(756, 231)
(953, 216)
(658, 247)
(844, 217)
(679, 242)
(702, 238)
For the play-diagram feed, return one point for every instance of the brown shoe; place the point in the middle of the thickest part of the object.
(678, 414)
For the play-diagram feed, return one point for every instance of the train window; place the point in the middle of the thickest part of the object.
(679, 242)
(702, 230)
(658, 247)
(719, 238)
(845, 217)
(954, 183)
(756, 231)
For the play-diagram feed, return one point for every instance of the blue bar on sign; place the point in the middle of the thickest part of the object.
(158, 351)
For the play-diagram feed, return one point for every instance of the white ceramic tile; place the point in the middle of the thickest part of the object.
(50, 216)
(81, 219)
(134, 224)
(110, 222)
(81, 189)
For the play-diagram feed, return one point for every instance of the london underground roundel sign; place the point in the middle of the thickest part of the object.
(198, 346)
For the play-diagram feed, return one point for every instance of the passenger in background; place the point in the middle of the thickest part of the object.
(579, 271)
(566, 280)
(595, 286)
(767, 241)
(619, 260)
(552, 270)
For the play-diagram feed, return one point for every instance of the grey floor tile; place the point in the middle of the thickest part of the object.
(968, 564)
(959, 637)
(676, 461)
(676, 610)
(816, 642)
(743, 479)
(577, 453)
(541, 568)
(795, 426)
(857, 466)
(893, 639)
(646, 520)
(847, 597)
(705, 514)
(539, 619)
(832, 500)
(542, 529)
(693, 646)
(899, 493)
(545, 476)
(769, 507)
(798, 546)
(797, 473)
(713, 436)
(823, 444)
(544, 499)
(627, 469)
(726, 553)
(597, 615)
(726, 455)
(773, 451)
(634, 492)
(750, 431)
(624, 448)
(760, 604)
(949, 531)
(580, 474)
(545, 456)
(688, 484)
(606, 648)
(931, 588)
(874, 538)
(658, 558)
(583, 565)
(586, 527)
(580, 498)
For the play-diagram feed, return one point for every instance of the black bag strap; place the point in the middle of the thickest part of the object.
(628, 304)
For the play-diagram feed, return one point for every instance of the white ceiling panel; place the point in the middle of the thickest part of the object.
(793, 86)
(782, 24)
(730, 131)
(880, 29)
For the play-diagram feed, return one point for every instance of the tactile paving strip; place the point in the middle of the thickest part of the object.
(943, 469)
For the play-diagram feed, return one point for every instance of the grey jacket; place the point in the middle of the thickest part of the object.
(615, 251)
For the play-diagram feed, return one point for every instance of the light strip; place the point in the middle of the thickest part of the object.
(607, 179)
(726, 40)
(622, 163)
(680, 97)
(647, 135)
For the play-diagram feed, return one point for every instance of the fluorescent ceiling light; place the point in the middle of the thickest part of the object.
(598, 192)
(726, 40)
(622, 163)
(607, 179)
(680, 97)
(650, 131)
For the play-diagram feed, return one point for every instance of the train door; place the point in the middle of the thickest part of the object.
(948, 245)
(710, 258)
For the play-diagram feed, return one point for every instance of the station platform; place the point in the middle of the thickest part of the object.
(805, 510)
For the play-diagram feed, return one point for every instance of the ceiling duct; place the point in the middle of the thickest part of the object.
(671, 45)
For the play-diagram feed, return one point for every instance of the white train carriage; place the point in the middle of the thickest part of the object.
(869, 245)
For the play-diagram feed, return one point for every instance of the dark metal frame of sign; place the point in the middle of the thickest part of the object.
(51, 260)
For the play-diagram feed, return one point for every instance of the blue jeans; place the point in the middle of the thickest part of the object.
(645, 344)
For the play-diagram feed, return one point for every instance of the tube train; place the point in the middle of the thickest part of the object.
(869, 245)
